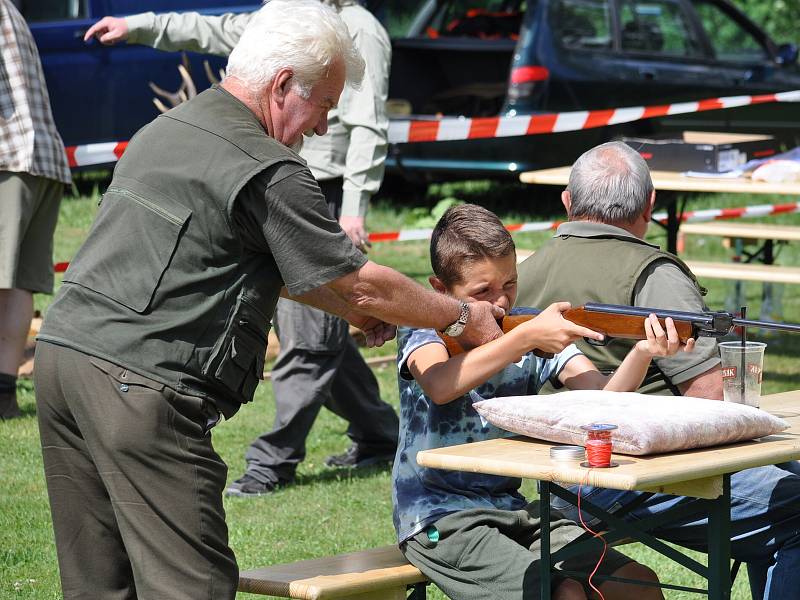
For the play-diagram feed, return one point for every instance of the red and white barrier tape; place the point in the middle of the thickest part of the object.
(462, 128)
(95, 154)
(711, 214)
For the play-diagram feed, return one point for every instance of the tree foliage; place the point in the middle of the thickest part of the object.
(778, 17)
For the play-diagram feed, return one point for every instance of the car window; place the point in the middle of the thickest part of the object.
(581, 23)
(728, 38)
(656, 26)
(396, 16)
(485, 19)
(35, 11)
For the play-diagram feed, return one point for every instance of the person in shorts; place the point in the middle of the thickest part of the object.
(33, 172)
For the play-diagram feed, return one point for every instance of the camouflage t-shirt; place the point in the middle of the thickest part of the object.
(421, 495)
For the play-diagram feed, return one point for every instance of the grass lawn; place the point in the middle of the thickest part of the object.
(326, 512)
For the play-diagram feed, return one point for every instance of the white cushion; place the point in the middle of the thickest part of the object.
(647, 424)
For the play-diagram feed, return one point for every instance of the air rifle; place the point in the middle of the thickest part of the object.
(627, 322)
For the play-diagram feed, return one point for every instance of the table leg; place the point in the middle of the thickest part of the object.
(673, 223)
(544, 520)
(674, 217)
(719, 547)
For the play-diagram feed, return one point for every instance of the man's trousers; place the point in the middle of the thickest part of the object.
(135, 485)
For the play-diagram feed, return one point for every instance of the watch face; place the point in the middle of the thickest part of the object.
(454, 330)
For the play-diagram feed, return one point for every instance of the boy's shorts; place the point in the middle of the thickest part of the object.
(29, 207)
(491, 554)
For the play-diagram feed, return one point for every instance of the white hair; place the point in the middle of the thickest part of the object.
(305, 36)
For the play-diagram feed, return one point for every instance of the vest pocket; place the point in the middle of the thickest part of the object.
(237, 360)
(129, 248)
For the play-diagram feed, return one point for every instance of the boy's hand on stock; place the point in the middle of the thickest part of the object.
(550, 332)
(660, 342)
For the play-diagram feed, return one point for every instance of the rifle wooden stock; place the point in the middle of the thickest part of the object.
(507, 323)
(612, 326)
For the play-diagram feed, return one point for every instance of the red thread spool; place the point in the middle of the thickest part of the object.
(598, 444)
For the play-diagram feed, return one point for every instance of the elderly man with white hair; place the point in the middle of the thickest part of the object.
(159, 327)
(319, 364)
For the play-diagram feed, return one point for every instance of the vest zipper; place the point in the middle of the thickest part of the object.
(147, 204)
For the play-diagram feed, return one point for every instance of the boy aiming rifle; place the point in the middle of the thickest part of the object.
(475, 535)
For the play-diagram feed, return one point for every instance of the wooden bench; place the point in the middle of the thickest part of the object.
(727, 270)
(745, 271)
(750, 232)
(377, 574)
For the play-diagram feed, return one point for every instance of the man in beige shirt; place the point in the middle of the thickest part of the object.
(319, 364)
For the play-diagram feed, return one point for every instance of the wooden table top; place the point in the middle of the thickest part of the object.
(752, 231)
(669, 180)
(696, 473)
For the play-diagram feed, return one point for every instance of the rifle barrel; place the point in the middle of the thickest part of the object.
(638, 311)
(700, 318)
(767, 325)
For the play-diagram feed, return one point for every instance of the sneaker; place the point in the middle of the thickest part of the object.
(357, 457)
(247, 486)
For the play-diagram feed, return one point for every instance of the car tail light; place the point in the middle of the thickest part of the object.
(526, 81)
(529, 74)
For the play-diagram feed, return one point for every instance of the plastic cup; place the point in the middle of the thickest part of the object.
(742, 369)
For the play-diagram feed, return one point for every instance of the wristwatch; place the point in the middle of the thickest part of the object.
(457, 328)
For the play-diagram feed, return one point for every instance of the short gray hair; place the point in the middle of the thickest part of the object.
(610, 183)
(305, 36)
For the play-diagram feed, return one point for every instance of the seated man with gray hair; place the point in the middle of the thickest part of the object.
(609, 200)
(600, 255)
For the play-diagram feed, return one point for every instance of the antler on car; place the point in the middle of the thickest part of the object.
(210, 74)
(187, 88)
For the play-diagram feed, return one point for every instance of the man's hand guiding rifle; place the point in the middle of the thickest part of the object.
(602, 323)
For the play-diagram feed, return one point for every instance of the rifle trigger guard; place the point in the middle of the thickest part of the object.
(603, 342)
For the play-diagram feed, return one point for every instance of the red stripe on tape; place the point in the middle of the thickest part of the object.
(655, 111)
(731, 213)
(423, 131)
(542, 124)
(483, 128)
(71, 155)
(384, 236)
(598, 118)
(784, 208)
(762, 98)
(60, 267)
(119, 149)
(710, 104)
(514, 227)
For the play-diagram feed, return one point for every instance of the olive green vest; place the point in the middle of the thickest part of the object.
(594, 269)
(163, 284)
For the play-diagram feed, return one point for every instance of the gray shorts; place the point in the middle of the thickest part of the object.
(490, 554)
(30, 210)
